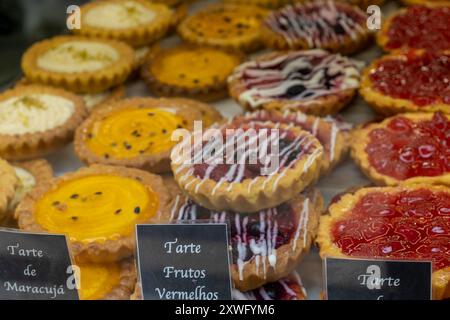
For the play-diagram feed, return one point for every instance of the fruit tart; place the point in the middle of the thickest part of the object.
(226, 26)
(408, 82)
(404, 31)
(198, 72)
(409, 222)
(135, 22)
(246, 167)
(333, 134)
(288, 288)
(36, 120)
(29, 174)
(8, 184)
(406, 148)
(78, 64)
(107, 281)
(324, 24)
(97, 208)
(266, 245)
(313, 81)
(136, 132)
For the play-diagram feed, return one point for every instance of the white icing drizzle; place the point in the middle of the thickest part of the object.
(318, 23)
(301, 76)
(263, 247)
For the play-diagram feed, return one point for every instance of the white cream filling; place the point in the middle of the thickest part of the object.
(123, 15)
(34, 113)
(78, 56)
(26, 183)
(91, 100)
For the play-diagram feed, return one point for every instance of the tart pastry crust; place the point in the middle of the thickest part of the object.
(89, 245)
(266, 82)
(389, 104)
(364, 138)
(110, 136)
(118, 277)
(342, 208)
(239, 187)
(226, 26)
(8, 184)
(423, 36)
(276, 238)
(198, 72)
(39, 120)
(334, 135)
(324, 24)
(66, 62)
(287, 288)
(135, 22)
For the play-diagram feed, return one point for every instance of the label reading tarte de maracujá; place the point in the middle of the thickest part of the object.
(358, 279)
(35, 267)
(184, 261)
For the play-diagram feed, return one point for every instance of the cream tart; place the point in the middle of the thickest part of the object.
(287, 288)
(97, 208)
(333, 134)
(266, 245)
(226, 26)
(324, 24)
(198, 72)
(409, 222)
(8, 184)
(29, 174)
(414, 81)
(36, 120)
(312, 81)
(404, 31)
(406, 148)
(107, 281)
(135, 22)
(78, 64)
(270, 165)
(135, 132)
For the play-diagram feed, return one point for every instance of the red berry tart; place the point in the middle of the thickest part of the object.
(408, 82)
(313, 81)
(246, 167)
(405, 30)
(325, 24)
(406, 148)
(289, 288)
(406, 223)
(333, 134)
(267, 245)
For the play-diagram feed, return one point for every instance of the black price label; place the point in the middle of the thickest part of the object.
(184, 261)
(35, 267)
(358, 279)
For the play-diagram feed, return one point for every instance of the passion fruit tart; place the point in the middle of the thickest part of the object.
(97, 208)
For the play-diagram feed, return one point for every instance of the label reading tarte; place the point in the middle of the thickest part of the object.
(184, 261)
(358, 279)
(35, 267)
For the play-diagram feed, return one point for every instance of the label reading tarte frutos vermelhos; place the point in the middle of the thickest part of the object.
(35, 267)
(358, 279)
(184, 261)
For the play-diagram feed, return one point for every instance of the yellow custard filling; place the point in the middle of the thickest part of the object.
(128, 133)
(194, 67)
(96, 208)
(98, 279)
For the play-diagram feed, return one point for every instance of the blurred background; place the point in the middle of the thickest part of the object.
(23, 22)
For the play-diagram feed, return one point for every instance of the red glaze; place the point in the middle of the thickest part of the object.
(421, 27)
(247, 228)
(412, 225)
(421, 78)
(407, 149)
